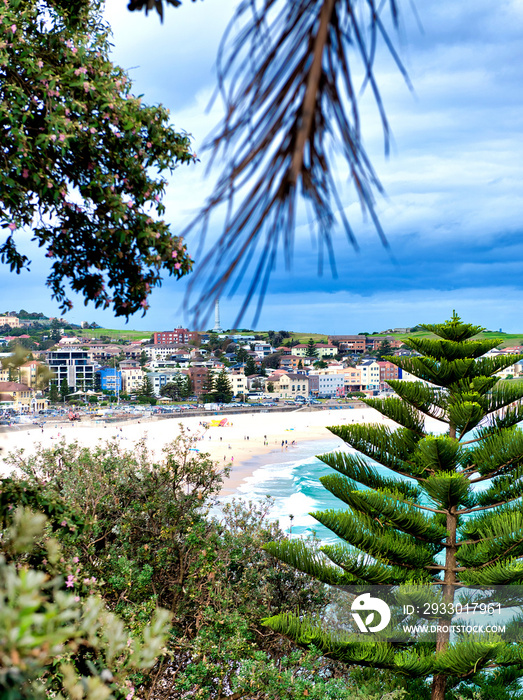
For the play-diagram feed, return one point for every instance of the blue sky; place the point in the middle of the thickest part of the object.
(453, 210)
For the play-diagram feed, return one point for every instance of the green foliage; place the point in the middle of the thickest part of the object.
(311, 350)
(80, 151)
(250, 366)
(422, 519)
(54, 641)
(54, 395)
(222, 388)
(145, 538)
(65, 389)
(178, 389)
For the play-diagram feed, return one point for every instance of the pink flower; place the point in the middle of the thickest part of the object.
(25, 173)
(177, 266)
(130, 205)
(63, 523)
(92, 130)
(12, 226)
(70, 581)
(61, 137)
(143, 303)
(157, 235)
(174, 254)
(69, 43)
(13, 28)
(149, 144)
(40, 64)
(75, 560)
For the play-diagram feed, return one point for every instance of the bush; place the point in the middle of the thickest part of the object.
(142, 535)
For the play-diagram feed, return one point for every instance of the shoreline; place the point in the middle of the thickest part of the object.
(246, 437)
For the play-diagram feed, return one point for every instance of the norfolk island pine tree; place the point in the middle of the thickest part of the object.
(464, 537)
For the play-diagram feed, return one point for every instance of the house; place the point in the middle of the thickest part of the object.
(20, 397)
(256, 381)
(323, 350)
(291, 385)
(11, 321)
(292, 362)
(261, 350)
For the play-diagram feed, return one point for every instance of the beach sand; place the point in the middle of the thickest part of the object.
(247, 435)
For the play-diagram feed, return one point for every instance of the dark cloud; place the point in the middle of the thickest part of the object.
(454, 202)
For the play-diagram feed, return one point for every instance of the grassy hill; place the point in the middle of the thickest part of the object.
(507, 339)
(113, 334)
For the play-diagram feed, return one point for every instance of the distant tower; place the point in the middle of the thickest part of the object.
(217, 327)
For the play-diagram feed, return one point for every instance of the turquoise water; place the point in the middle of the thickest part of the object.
(291, 478)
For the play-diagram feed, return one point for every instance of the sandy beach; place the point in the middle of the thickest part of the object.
(244, 437)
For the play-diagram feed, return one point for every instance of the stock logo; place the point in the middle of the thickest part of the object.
(364, 603)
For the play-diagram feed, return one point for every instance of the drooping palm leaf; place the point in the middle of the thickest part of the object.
(287, 79)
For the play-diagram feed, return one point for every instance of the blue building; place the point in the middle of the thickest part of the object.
(110, 379)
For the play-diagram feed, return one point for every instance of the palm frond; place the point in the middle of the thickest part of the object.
(286, 77)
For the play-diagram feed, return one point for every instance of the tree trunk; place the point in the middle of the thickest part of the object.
(439, 682)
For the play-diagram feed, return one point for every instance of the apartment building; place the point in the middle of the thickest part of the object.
(323, 350)
(132, 379)
(292, 385)
(73, 365)
(352, 379)
(387, 371)
(178, 335)
(370, 374)
(326, 385)
(349, 343)
(163, 351)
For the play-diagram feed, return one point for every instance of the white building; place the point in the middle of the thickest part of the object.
(326, 385)
(132, 379)
(73, 365)
(370, 374)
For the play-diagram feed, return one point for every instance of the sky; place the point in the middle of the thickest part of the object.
(453, 205)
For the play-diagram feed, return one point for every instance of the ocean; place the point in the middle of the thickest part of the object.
(291, 478)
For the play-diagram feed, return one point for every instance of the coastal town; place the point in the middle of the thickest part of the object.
(47, 361)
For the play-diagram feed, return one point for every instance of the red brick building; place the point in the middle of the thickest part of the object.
(198, 376)
(387, 371)
(351, 343)
(178, 335)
